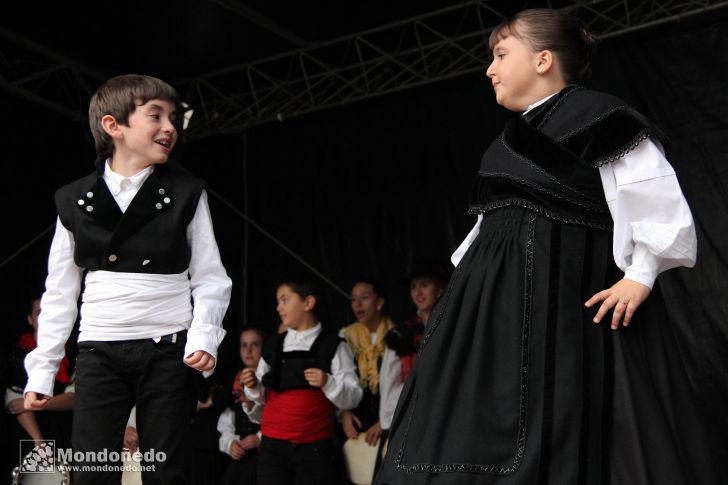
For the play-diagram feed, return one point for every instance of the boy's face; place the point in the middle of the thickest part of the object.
(251, 345)
(150, 135)
(293, 309)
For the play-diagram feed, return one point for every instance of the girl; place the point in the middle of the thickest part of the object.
(517, 382)
(380, 375)
(238, 432)
(366, 339)
(306, 373)
(426, 284)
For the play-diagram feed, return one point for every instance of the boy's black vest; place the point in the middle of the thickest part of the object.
(287, 368)
(150, 237)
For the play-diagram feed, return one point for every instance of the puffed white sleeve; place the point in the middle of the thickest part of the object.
(226, 428)
(653, 226)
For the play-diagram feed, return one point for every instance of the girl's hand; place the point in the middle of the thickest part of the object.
(350, 423)
(236, 450)
(248, 378)
(625, 297)
(373, 434)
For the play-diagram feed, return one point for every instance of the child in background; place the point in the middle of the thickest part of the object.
(302, 377)
(238, 432)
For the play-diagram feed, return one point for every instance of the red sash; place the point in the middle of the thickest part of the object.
(298, 415)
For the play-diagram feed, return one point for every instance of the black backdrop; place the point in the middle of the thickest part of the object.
(365, 189)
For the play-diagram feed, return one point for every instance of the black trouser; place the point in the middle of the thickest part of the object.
(113, 376)
(285, 463)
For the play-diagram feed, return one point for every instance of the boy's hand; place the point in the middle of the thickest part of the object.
(625, 297)
(249, 442)
(249, 379)
(131, 439)
(34, 401)
(315, 377)
(200, 360)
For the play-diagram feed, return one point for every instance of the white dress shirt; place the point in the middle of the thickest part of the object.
(126, 306)
(653, 227)
(390, 387)
(342, 385)
(390, 382)
(226, 426)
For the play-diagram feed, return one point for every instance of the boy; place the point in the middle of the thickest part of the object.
(139, 235)
(306, 372)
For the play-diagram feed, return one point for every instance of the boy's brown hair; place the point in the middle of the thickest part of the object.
(119, 97)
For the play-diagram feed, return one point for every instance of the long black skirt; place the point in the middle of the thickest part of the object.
(516, 385)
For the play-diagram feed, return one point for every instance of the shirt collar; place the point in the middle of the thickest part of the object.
(304, 334)
(539, 103)
(113, 179)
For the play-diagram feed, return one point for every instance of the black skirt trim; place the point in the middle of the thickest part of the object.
(499, 204)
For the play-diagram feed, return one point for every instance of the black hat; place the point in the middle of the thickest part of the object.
(429, 268)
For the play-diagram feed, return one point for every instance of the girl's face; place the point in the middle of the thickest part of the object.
(365, 303)
(424, 293)
(251, 345)
(292, 309)
(514, 73)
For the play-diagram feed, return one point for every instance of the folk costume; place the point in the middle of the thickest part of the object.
(514, 383)
(154, 291)
(298, 419)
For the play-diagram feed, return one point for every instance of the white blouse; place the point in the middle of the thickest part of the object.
(653, 227)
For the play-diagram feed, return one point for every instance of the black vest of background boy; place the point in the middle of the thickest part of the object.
(150, 237)
(286, 368)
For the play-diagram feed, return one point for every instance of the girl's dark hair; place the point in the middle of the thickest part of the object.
(253, 328)
(554, 30)
(377, 287)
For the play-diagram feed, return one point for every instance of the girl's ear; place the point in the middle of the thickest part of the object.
(544, 61)
(111, 126)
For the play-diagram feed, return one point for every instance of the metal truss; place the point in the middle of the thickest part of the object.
(440, 45)
(42, 76)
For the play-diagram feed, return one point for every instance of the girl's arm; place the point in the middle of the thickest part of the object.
(390, 387)
(256, 393)
(653, 227)
(226, 428)
(465, 245)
